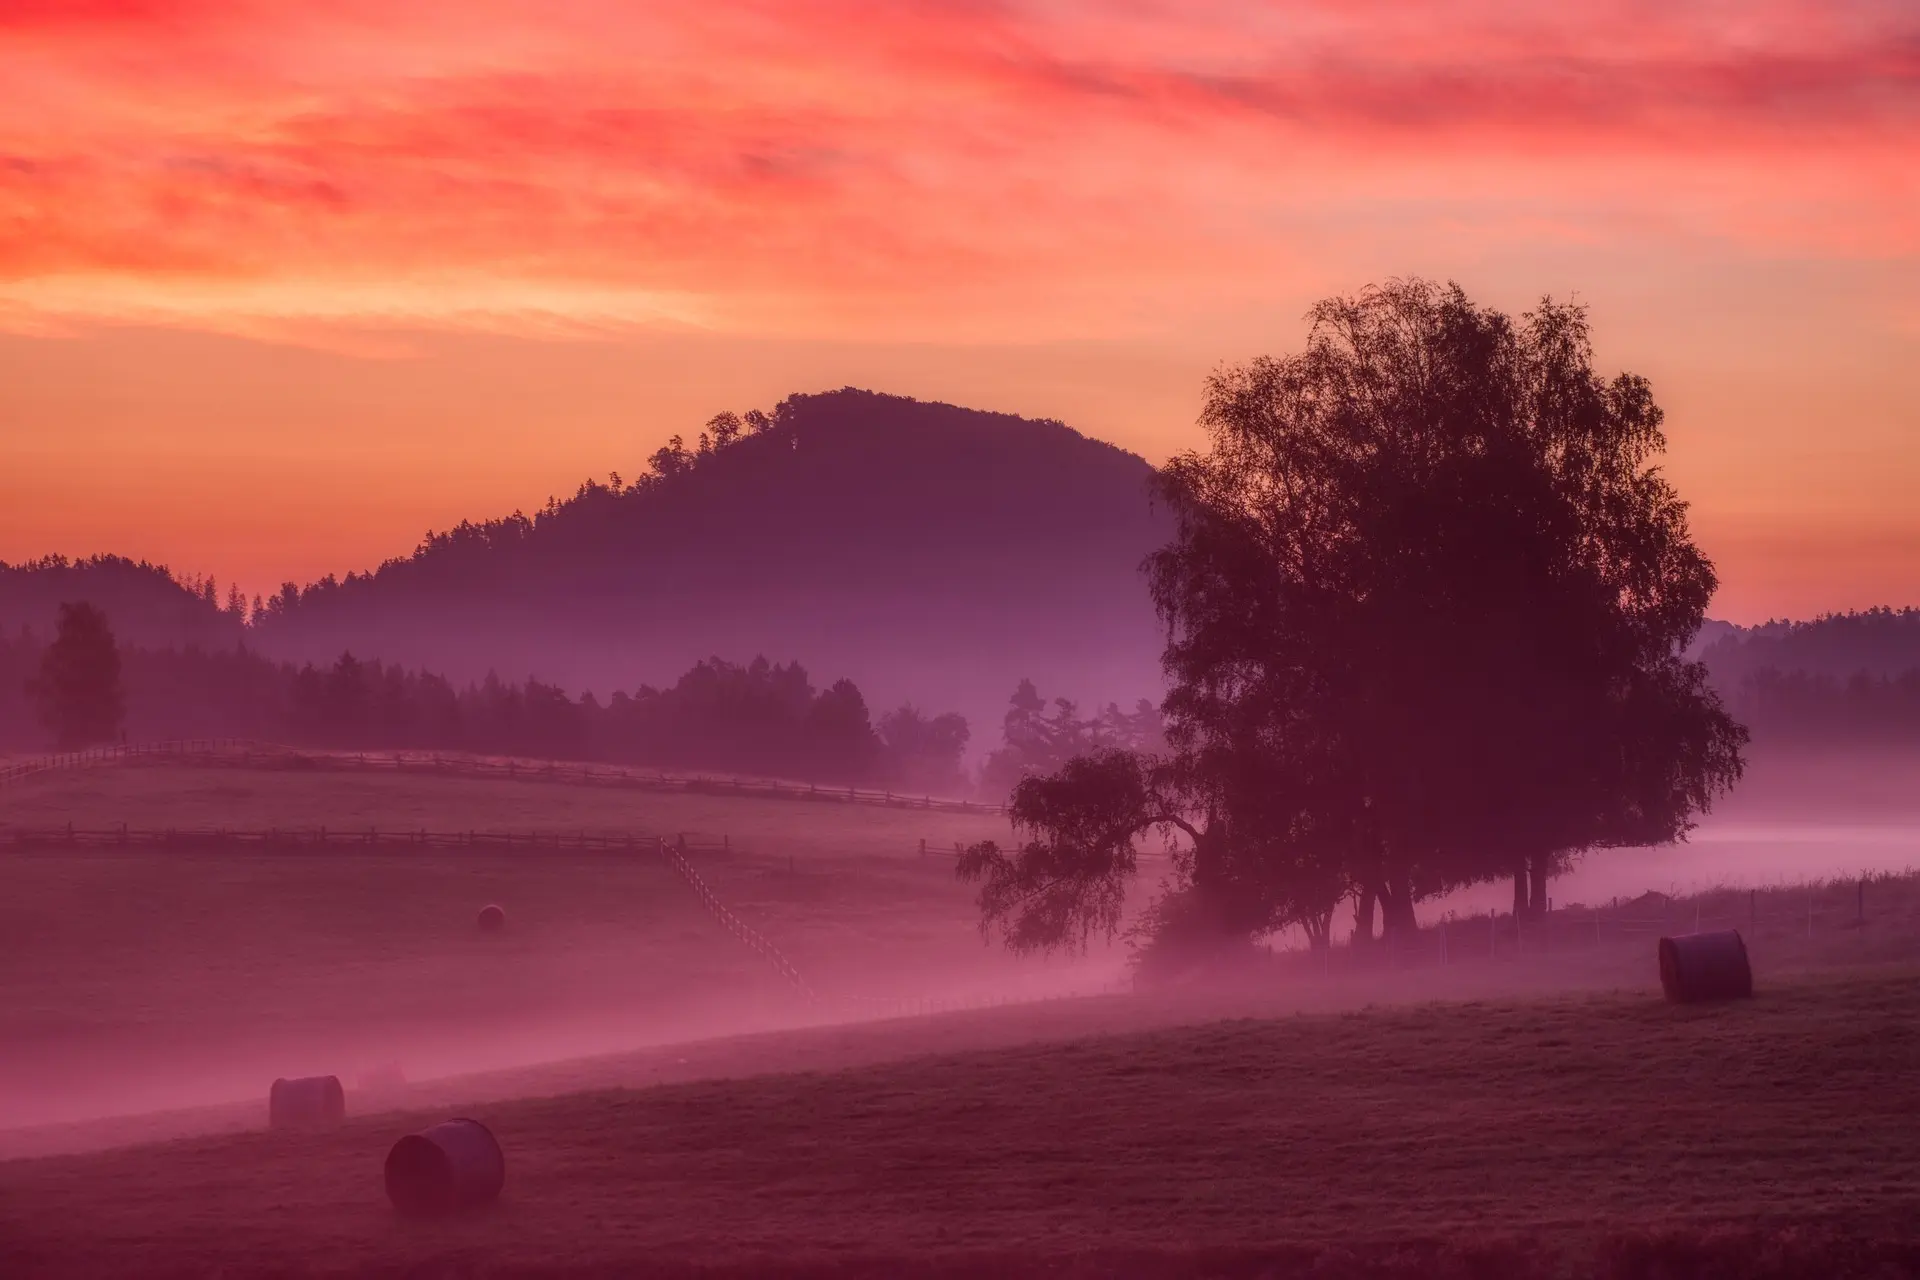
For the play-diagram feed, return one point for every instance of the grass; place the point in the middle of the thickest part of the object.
(814, 878)
(216, 971)
(167, 795)
(1538, 1127)
(131, 982)
(1473, 1119)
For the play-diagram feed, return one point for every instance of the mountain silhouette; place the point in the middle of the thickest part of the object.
(932, 553)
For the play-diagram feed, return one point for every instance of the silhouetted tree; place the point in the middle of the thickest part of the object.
(347, 700)
(78, 688)
(839, 733)
(924, 752)
(1035, 740)
(1426, 605)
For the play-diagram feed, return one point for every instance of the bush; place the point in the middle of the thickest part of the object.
(1184, 935)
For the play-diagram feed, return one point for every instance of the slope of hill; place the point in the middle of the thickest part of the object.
(930, 552)
(147, 604)
(1877, 642)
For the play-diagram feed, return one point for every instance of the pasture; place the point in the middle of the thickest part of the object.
(138, 979)
(1518, 1101)
(1773, 1135)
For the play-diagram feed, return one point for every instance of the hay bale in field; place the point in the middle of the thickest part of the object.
(1705, 966)
(305, 1102)
(492, 919)
(452, 1166)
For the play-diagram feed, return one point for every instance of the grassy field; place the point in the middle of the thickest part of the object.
(168, 978)
(1538, 1128)
(666, 1104)
(817, 878)
(131, 982)
(166, 795)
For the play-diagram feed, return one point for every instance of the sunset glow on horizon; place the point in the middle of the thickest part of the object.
(282, 286)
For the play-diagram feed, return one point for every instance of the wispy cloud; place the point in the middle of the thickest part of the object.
(824, 165)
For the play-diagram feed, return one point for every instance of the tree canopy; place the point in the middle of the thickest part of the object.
(78, 688)
(1426, 604)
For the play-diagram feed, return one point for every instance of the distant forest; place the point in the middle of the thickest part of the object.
(1840, 680)
(759, 718)
(934, 553)
(194, 666)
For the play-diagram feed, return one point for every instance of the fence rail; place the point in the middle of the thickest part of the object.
(244, 753)
(1496, 936)
(676, 855)
(342, 838)
(674, 852)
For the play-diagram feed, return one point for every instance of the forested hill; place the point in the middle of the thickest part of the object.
(1877, 643)
(147, 604)
(934, 553)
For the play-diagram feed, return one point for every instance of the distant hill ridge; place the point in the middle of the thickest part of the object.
(1876, 642)
(933, 552)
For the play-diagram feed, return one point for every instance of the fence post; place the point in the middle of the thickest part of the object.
(1860, 909)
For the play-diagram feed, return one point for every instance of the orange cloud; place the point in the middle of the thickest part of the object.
(821, 165)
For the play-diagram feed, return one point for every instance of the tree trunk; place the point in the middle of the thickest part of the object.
(1319, 927)
(1538, 865)
(1520, 891)
(1397, 919)
(1363, 917)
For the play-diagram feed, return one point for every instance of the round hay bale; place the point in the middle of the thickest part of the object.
(305, 1102)
(492, 919)
(452, 1166)
(1697, 967)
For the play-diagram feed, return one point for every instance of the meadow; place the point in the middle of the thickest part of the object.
(1486, 1102)
(143, 979)
(1612, 1128)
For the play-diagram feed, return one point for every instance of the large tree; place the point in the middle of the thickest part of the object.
(1426, 604)
(78, 689)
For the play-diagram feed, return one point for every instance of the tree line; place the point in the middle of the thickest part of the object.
(81, 688)
(85, 689)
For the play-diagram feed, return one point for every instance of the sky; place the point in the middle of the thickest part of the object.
(284, 285)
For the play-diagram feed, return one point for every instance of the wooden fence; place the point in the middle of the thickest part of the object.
(1496, 936)
(676, 855)
(346, 839)
(245, 754)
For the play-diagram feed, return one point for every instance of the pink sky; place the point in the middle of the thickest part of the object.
(282, 285)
